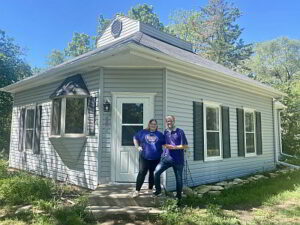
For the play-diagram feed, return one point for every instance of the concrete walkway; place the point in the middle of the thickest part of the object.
(116, 199)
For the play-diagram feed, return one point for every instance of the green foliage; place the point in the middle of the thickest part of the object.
(79, 45)
(12, 68)
(24, 189)
(277, 63)
(56, 57)
(145, 14)
(214, 33)
(102, 25)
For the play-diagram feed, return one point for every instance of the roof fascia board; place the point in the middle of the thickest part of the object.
(218, 77)
(53, 74)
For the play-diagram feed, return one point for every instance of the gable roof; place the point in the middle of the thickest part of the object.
(165, 50)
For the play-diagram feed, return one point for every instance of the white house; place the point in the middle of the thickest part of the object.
(75, 122)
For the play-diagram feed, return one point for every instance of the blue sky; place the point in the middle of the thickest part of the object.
(40, 26)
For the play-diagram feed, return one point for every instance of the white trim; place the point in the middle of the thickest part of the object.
(165, 113)
(63, 119)
(279, 130)
(100, 123)
(30, 107)
(216, 106)
(114, 131)
(249, 110)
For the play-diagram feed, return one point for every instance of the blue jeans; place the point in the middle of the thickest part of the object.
(163, 166)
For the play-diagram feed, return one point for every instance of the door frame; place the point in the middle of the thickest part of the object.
(115, 96)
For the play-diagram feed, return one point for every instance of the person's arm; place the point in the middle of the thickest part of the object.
(174, 147)
(137, 144)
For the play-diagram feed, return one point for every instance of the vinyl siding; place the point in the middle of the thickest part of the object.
(182, 90)
(128, 80)
(128, 27)
(48, 162)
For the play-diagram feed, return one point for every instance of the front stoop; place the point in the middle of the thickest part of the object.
(111, 199)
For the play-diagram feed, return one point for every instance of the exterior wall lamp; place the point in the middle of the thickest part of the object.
(106, 106)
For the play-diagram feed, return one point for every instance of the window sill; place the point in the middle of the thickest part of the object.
(69, 136)
(250, 155)
(213, 159)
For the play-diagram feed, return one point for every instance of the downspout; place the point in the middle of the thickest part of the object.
(274, 132)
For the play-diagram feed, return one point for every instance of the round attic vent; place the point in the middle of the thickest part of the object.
(116, 28)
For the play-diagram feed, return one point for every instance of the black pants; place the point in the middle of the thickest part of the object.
(145, 166)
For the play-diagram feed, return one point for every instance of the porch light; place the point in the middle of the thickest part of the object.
(106, 106)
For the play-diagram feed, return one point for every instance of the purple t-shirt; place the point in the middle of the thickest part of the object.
(151, 142)
(176, 137)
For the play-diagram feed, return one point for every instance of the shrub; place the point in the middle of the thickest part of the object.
(23, 188)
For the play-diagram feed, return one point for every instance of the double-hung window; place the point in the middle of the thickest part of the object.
(250, 136)
(69, 116)
(212, 132)
(29, 128)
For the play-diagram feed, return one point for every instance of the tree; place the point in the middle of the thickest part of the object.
(145, 14)
(56, 57)
(277, 63)
(102, 24)
(214, 33)
(80, 44)
(12, 68)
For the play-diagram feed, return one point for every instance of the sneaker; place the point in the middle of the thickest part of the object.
(135, 194)
(157, 194)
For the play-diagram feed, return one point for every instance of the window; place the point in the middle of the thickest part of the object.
(69, 116)
(132, 121)
(212, 132)
(250, 140)
(29, 128)
(56, 116)
(74, 120)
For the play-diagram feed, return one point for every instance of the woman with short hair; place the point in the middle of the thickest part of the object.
(149, 142)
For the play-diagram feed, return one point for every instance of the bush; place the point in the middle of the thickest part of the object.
(23, 188)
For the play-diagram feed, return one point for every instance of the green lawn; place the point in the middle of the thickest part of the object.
(291, 160)
(266, 201)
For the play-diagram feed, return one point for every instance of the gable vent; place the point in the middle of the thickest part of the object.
(116, 28)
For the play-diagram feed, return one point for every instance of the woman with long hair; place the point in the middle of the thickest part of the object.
(149, 143)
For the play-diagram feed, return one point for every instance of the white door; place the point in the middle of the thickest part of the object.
(132, 115)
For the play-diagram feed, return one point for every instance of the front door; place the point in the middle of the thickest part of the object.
(132, 115)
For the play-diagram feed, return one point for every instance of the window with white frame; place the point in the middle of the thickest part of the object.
(69, 116)
(249, 118)
(29, 128)
(212, 132)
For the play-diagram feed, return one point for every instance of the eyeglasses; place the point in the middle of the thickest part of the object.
(153, 124)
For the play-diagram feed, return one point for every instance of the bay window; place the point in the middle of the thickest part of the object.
(69, 116)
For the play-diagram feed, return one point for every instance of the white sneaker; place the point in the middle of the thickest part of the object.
(135, 194)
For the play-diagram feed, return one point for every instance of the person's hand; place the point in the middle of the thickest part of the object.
(140, 148)
(170, 146)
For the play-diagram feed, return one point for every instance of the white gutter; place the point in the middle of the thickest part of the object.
(71, 66)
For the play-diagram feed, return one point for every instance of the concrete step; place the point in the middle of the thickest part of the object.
(103, 211)
(142, 200)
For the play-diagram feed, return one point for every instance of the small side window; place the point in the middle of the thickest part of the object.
(29, 128)
(56, 115)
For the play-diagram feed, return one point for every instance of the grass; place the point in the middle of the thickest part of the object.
(291, 160)
(19, 188)
(266, 201)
